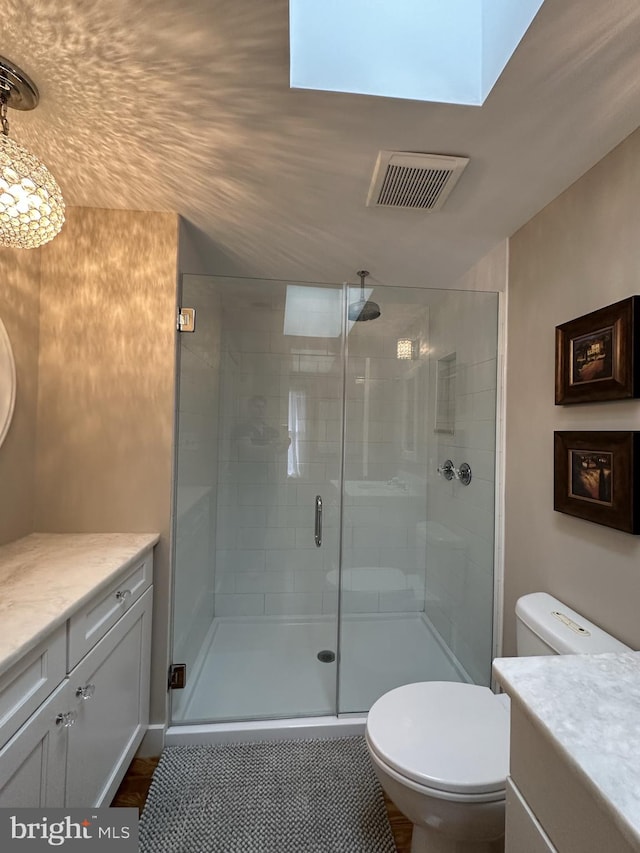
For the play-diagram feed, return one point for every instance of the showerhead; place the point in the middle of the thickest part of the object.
(363, 309)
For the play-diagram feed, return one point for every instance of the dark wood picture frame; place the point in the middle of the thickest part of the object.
(598, 355)
(596, 477)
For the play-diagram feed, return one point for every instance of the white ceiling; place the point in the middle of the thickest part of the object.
(185, 105)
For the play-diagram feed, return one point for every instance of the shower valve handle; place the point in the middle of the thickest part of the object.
(447, 470)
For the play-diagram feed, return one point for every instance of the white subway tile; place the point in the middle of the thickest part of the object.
(312, 581)
(251, 516)
(400, 601)
(292, 560)
(240, 561)
(330, 603)
(484, 405)
(227, 494)
(239, 605)
(247, 582)
(482, 376)
(225, 538)
(293, 604)
(266, 537)
(359, 602)
(225, 582)
(383, 537)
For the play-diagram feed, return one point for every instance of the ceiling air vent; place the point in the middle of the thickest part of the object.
(417, 181)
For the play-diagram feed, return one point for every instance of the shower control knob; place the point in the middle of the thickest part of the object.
(463, 473)
(447, 470)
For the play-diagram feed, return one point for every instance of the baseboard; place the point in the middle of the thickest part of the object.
(152, 742)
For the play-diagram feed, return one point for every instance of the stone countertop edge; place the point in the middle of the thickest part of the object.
(32, 605)
(561, 695)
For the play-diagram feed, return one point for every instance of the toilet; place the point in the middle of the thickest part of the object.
(441, 749)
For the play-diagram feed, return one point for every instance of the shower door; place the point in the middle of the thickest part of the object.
(258, 499)
(324, 553)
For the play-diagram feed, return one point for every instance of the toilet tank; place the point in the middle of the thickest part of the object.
(546, 626)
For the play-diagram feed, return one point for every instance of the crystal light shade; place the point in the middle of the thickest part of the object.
(31, 203)
(404, 349)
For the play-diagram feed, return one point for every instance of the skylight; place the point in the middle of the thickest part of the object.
(450, 51)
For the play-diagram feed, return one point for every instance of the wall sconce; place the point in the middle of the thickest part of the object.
(405, 349)
(31, 203)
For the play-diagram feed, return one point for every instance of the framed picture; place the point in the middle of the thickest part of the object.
(596, 477)
(597, 355)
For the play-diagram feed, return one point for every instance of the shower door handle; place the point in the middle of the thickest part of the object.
(318, 530)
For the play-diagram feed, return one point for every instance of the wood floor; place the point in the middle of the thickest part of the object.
(135, 787)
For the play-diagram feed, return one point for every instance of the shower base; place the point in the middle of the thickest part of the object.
(261, 677)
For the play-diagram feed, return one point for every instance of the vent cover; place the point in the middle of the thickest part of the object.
(415, 181)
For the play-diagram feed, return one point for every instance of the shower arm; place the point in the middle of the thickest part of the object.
(363, 274)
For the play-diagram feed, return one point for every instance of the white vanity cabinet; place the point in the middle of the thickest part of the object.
(574, 784)
(74, 709)
(550, 806)
(110, 696)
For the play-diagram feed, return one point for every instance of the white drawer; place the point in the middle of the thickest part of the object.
(30, 681)
(93, 621)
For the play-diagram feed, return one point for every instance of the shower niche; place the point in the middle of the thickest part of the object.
(285, 397)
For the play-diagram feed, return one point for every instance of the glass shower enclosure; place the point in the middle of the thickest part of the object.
(324, 551)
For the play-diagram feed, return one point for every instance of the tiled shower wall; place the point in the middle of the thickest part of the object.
(266, 559)
(460, 530)
(385, 446)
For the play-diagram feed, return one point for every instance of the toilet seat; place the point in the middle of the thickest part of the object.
(435, 793)
(448, 737)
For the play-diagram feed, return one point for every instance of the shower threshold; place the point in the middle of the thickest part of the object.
(260, 678)
(285, 729)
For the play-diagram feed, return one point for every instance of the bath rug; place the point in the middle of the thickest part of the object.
(291, 796)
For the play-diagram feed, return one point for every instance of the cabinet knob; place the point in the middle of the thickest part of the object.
(66, 720)
(85, 692)
(123, 594)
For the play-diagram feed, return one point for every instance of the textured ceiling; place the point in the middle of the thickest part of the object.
(186, 106)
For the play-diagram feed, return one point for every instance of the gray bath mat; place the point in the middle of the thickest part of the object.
(293, 796)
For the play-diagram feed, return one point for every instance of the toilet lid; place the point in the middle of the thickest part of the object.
(448, 736)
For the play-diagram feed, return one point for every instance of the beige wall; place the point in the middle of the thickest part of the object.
(578, 254)
(19, 299)
(106, 387)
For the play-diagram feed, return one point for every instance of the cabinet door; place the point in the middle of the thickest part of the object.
(523, 831)
(114, 715)
(32, 763)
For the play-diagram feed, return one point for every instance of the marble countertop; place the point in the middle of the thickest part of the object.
(589, 706)
(45, 577)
